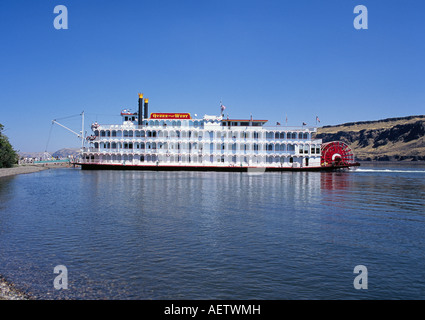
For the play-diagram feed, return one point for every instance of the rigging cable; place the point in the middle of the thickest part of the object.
(50, 133)
(75, 115)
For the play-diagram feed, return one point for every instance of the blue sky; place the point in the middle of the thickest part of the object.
(266, 58)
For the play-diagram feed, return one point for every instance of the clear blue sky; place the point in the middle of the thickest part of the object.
(266, 58)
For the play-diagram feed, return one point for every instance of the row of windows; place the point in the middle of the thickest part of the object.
(188, 158)
(196, 134)
(178, 158)
(191, 123)
(174, 123)
(189, 146)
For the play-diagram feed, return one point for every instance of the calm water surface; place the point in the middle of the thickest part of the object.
(194, 235)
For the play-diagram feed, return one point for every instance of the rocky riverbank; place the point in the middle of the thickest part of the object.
(5, 172)
(393, 139)
(9, 292)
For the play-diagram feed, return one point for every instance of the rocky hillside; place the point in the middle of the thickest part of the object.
(388, 139)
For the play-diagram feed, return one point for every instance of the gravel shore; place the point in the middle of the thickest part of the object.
(5, 172)
(8, 291)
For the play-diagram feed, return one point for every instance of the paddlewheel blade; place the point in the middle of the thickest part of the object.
(336, 153)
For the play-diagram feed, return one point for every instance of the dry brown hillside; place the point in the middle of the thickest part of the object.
(388, 139)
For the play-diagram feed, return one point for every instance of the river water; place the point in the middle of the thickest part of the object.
(210, 235)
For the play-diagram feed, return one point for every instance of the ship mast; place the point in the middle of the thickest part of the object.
(82, 130)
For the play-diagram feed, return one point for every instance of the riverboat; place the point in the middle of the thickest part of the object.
(178, 141)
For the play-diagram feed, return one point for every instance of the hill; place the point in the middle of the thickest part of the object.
(62, 153)
(387, 139)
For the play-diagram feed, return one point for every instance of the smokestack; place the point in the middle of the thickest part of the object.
(139, 114)
(146, 109)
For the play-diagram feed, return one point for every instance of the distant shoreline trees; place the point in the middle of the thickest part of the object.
(8, 156)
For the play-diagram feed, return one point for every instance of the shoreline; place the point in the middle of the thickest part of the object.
(398, 163)
(9, 292)
(22, 169)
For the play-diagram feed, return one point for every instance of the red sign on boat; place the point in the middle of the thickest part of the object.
(170, 116)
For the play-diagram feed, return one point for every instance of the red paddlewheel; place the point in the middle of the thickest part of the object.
(336, 153)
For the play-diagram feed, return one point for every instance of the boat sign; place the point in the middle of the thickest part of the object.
(170, 116)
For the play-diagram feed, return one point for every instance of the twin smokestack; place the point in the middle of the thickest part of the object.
(143, 106)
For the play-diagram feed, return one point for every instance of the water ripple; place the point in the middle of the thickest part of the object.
(194, 235)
